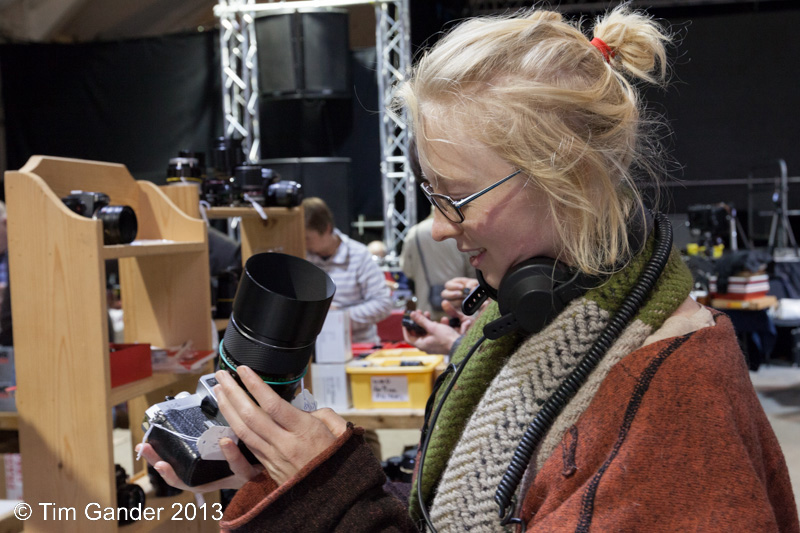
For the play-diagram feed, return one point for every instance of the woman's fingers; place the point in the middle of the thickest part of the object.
(247, 419)
(282, 437)
(168, 474)
(237, 462)
(164, 469)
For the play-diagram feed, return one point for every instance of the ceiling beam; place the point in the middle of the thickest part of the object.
(34, 20)
(567, 6)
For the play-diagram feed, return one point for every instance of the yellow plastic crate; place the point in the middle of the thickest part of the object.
(393, 379)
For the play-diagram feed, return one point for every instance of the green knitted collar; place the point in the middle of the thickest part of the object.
(671, 290)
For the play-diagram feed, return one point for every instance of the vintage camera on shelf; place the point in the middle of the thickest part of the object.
(119, 221)
(265, 187)
(279, 309)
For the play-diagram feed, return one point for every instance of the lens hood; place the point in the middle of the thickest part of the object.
(278, 311)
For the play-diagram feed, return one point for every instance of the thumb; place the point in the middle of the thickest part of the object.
(335, 423)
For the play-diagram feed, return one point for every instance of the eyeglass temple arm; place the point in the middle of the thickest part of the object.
(463, 201)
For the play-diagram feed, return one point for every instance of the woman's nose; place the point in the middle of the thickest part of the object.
(443, 228)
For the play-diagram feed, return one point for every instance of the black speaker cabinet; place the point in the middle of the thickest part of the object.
(303, 54)
(325, 177)
(304, 127)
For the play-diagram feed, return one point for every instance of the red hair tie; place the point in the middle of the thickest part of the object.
(606, 50)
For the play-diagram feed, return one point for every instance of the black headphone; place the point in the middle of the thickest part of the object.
(534, 292)
(530, 296)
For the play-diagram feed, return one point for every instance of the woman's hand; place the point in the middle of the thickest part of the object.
(456, 289)
(283, 438)
(439, 338)
(242, 470)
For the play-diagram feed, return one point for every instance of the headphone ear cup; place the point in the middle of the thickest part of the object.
(528, 293)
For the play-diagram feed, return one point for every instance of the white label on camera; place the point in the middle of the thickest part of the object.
(389, 388)
(305, 401)
(208, 443)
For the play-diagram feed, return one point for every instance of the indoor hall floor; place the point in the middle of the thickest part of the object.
(778, 388)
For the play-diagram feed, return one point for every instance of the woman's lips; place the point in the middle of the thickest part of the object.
(475, 257)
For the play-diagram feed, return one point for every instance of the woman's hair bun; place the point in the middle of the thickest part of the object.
(638, 43)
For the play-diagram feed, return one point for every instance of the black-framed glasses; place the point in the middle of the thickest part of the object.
(450, 208)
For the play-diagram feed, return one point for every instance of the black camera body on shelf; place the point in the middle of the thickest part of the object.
(119, 221)
(190, 415)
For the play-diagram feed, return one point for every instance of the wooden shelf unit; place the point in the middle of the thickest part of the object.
(60, 320)
(283, 231)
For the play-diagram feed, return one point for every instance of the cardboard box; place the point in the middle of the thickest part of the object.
(129, 362)
(330, 385)
(334, 344)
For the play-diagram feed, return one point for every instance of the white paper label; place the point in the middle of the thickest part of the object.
(305, 401)
(389, 388)
(208, 443)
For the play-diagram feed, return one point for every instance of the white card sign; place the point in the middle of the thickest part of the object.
(389, 388)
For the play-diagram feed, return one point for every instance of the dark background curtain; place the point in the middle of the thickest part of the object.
(134, 102)
(733, 106)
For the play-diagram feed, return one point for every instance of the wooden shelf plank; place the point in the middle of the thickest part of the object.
(228, 212)
(9, 420)
(147, 248)
(158, 380)
(757, 304)
(385, 418)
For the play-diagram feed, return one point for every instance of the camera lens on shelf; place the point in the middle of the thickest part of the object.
(119, 224)
(119, 221)
(284, 194)
(247, 179)
(227, 155)
(183, 169)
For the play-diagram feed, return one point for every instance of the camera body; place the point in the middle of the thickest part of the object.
(176, 429)
(119, 221)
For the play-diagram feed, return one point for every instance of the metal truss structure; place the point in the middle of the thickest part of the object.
(239, 62)
(240, 95)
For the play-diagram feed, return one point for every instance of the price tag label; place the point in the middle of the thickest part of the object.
(389, 388)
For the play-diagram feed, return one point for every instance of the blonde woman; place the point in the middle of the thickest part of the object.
(613, 403)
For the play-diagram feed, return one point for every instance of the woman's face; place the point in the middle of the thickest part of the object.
(501, 228)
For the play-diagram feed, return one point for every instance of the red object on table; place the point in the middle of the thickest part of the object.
(390, 329)
(129, 362)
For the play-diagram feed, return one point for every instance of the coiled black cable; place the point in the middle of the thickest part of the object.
(546, 416)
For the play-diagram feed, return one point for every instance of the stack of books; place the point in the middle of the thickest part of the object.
(744, 287)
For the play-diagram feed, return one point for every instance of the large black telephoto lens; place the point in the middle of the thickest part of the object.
(279, 309)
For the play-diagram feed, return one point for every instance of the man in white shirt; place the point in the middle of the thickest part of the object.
(361, 288)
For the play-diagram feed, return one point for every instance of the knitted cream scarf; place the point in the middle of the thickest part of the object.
(476, 433)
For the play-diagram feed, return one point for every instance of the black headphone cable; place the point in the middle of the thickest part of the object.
(544, 419)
